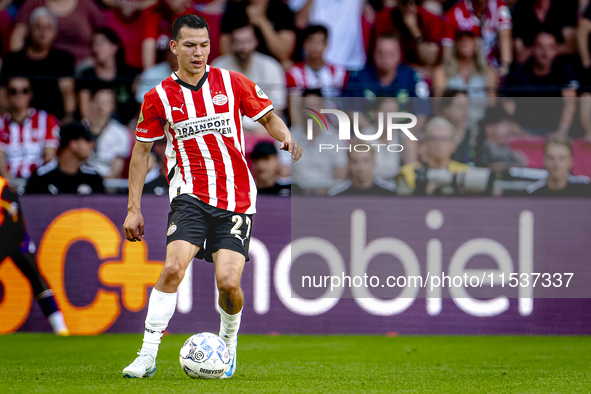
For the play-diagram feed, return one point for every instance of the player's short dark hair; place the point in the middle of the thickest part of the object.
(191, 21)
(313, 29)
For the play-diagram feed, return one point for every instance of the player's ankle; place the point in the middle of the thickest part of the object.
(150, 349)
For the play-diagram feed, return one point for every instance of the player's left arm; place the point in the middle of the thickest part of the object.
(278, 130)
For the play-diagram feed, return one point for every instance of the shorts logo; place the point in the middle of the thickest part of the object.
(140, 119)
(220, 99)
(171, 230)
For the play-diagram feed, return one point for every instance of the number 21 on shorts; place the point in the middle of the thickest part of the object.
(235, 231)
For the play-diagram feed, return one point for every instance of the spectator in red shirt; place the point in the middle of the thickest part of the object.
(420, 25)
(76, 21)
(157, 29)
(124, 18)
(492, 24)
(28, 138)
(314, 72)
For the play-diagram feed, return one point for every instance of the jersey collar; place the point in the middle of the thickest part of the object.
(188, 85)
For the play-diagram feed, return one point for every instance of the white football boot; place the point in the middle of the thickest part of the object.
(144, 366)
(230, 372)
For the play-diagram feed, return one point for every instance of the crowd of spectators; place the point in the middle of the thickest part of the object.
(501, 90)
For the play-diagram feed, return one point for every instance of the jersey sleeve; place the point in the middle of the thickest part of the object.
(52, 138)
(254, 103)
(150, 123)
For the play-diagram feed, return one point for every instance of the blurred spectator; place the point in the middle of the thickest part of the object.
(534, 16)
(109, 71)
(363, 181)
(50, 70)
(438, 148)
(66, 174)
(558, 160)
(124, 18)
(467, 70)
(265, 169)
(388, 77)
(264, 70)
(492, 145)
(387, 163)
(321, 170)
(543, 76)
(273, 25)
(157, 29)
(113, 140)
(490, 20)
(76, 20)
(213, 12)
(314, 72)
(154, 75)
(454, 106)
(420, 25)
(28, 138)
(342, 18)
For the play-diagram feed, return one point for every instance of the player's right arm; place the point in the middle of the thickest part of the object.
(133, 227)
(150, 127)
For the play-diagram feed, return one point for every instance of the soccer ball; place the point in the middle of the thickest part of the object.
(205, 356)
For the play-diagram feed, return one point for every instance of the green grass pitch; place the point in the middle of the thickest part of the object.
(44, 363)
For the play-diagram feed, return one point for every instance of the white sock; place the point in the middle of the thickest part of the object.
(229, 326)
(161, 307)
(56, 319)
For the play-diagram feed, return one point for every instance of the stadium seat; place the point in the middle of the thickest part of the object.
(532, 147)
(582, 157)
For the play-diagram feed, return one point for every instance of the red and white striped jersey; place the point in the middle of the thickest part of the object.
(330, 79)
(24, 143)
(203, 124)
(461, 18)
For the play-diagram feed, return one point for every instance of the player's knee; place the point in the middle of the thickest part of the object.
(228, 284)
(173, 271)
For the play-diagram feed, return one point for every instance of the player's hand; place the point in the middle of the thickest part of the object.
(294, 148)
(134, 222)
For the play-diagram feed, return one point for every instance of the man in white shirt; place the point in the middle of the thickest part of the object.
(343, 21)
(113, 140)
(264, 70)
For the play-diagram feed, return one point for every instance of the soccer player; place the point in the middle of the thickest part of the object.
(199, 110)
(16, 244)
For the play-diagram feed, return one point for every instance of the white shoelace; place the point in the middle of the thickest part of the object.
(144, 359)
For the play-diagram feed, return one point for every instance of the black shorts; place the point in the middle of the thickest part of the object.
(208, 227)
